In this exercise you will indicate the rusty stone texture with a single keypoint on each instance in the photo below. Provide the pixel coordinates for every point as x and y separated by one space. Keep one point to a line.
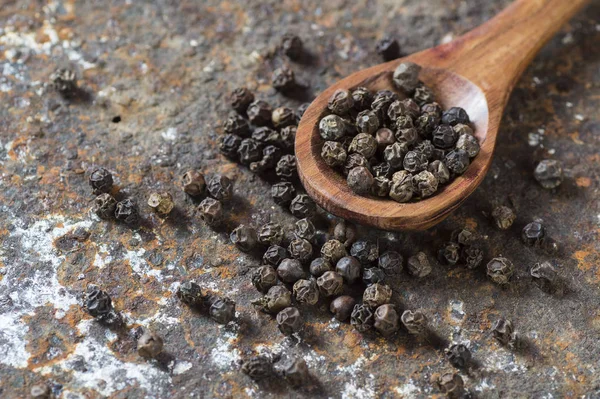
153 77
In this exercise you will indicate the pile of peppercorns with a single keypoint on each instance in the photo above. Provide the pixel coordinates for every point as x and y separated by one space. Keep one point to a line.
399 148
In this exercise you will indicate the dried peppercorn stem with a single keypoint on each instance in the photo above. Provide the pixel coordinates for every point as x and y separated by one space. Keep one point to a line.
475 72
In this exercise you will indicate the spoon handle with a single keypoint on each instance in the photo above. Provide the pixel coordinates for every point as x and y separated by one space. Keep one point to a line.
494 55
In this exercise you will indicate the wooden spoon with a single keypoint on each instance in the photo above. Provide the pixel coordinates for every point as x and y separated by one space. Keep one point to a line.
477 72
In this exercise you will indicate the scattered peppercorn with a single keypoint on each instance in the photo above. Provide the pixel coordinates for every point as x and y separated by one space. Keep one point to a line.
149 345
294 371
406 77
64 81
533 234
451 384
259 113
264 277
222 310
283 79
503 332
244 237
211 211
104 206
500 270
97 302
304 228
236 124
291 45
287 135
345 233
161 203
503 216
365 251
220 187
274 255
545 277
303 206
373 275
300 249
127 211
362 318
193 182
449 253
290 270
283 193
549 173
283 117
318 266
472 256
270 233
414 321
376 295
306 291
418 265
458 355
276 299
101 181
249 151
289 321
191 294
240 99
386 319
330 283
258 368
349 268
342 307
388 48
265 135
229 145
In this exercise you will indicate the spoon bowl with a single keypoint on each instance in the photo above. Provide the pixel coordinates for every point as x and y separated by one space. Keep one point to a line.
476 72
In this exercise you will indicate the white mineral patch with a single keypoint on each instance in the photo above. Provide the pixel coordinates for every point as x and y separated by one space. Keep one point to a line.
181 367
408 390
457 312
170 134
224 355
357 388
140 266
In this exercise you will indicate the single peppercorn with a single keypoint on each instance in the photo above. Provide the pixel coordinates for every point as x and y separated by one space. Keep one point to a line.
211 211
229 145
388 48
381 186
367 122
283 193
303 206
333 251
249 151
274 255
301 110
449 254
432 108
545 277
305 229
383 169
408 136
406 77
283 79
462 129
286 167
415 161
342 307
127 211
97 302
306 291
289 321
472 256
386 320
418 265
365 251
265 135
244 237
451 384
457 161
333 127
276 299
454 116
500 270
330 283
64 81
290 270
469 144
402 188
282 117
384 137
287 135
294 371
355 160
236 124
463 237
222 310
193 183
533 234
458 355
425 184
423 95
270 233
264 277
362 98
381 102
271 155
40 391
291 45
377 294
391 263
360 180
149 345
444 137
414 321
258 368
503 332
161 203
191 294
394 154
259 113
220 187
334 154
426 148
426 124
104 206
240 99
549 173
503 216
300 249
364 144
341 102
345 233
349 268
362 318
440 171
101 181
373 275
318 266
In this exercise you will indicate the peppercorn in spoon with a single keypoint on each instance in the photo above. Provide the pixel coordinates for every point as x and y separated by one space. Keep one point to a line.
476 72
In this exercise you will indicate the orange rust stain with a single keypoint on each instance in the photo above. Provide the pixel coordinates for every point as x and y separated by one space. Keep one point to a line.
471 223
583 181
575 137
581 256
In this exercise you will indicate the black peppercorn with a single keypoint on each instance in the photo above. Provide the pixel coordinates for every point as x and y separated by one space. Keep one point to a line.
277 298
193 183
381 186
406 77
360 180
282 117
426 124
391 263
415 161
149 345
244 237
355 160
289 321
388 48
287 135
444 137
345 233
222 310
457 161
97 302
500 270
211 211
415 322
301 110
503 332
432 108
362 98
240 99
304 228
423 95
294 371
503 216
161 203
258 368
104 206
64 81
367 122
290 270
440 171
101 181
264 277
349 268
265 135
373 275
449 253
306 291
333 153
274 255
418 265
426 148
127 211
365 251
333 251
461 129
364 144
191 294
283 193
383 169
303 206
342 307
458 355
341 102
333 127
451 384
549 173
472 256
271 155
402 121
454 116
300 249
408 136
330 283
533 234
220 187
545 277
229 145
270 233
286 167
425 184
259 113
249 151
283 79
386 319
381 102
236 124
384 137
361 318
291 45
394 154
469 144
376 295
463 237
319 266
402 188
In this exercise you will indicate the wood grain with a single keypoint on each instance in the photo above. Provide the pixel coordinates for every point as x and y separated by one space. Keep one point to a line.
477 72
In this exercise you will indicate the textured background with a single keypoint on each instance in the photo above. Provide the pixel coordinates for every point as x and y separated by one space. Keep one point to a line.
163 66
